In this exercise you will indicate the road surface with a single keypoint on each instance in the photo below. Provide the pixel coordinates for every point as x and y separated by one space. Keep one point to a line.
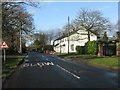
47 71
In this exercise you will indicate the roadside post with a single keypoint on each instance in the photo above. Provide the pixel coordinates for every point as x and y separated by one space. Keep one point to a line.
4 46
4 55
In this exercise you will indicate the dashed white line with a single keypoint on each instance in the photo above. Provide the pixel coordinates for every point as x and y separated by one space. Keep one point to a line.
68 72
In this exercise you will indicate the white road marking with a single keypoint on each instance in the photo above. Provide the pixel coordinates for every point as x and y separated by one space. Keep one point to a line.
47 63
34 65
51 63
42 64
31 64
39 65
26 65
68 72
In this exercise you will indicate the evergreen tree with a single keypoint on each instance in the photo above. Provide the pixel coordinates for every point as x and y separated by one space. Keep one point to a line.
105 37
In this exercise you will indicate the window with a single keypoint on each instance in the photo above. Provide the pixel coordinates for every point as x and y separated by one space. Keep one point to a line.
72 47
91 34
62 40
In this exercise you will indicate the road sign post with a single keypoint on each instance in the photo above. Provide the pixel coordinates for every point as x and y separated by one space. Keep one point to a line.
4 55
4 46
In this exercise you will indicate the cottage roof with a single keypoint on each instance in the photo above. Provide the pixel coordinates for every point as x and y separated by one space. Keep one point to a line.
73 32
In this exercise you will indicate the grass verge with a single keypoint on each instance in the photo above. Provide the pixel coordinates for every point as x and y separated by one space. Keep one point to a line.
76 56
10 65
106 62
101 62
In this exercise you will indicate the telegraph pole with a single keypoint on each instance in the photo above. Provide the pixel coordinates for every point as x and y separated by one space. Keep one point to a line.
60 46
20 48
60 42
68 33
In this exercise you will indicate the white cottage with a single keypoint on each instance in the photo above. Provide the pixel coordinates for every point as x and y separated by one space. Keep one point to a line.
78 38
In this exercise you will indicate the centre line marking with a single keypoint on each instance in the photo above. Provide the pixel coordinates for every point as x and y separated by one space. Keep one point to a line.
68 72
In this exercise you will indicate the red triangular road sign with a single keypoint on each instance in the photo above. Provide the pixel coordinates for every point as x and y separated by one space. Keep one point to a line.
4 45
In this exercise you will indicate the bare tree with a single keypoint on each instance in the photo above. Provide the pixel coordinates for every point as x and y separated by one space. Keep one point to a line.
91 21
32 4
65 28
57 33
50 35
117 26
15 19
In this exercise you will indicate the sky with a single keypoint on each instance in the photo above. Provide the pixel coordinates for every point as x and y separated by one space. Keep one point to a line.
53 15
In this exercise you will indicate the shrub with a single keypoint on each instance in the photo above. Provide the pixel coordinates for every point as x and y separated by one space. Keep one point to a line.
91 47
80 49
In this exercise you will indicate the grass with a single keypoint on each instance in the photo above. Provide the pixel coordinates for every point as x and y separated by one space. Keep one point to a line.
103 62
9 66
75 55
106 62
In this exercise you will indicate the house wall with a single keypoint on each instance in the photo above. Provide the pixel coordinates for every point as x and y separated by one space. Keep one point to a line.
75 40
64 45
56 48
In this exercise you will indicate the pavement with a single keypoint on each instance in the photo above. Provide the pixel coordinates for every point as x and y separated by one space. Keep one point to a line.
48 71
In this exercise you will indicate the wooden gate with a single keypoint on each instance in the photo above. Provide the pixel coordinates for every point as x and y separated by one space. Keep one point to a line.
109 49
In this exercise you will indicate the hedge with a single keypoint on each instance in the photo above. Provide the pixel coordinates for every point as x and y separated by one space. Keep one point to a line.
80 49
91 47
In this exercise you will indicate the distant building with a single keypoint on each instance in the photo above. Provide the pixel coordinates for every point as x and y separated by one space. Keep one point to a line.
78 38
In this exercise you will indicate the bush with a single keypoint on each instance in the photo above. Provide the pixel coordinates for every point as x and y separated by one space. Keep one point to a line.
80 49
91 47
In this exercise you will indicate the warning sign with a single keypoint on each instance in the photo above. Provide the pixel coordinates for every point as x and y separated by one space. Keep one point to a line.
4 45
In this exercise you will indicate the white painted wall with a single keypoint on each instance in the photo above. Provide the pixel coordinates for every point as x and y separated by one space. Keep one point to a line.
83 38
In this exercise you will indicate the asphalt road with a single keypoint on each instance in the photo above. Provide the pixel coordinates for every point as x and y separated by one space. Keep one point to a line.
47 71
